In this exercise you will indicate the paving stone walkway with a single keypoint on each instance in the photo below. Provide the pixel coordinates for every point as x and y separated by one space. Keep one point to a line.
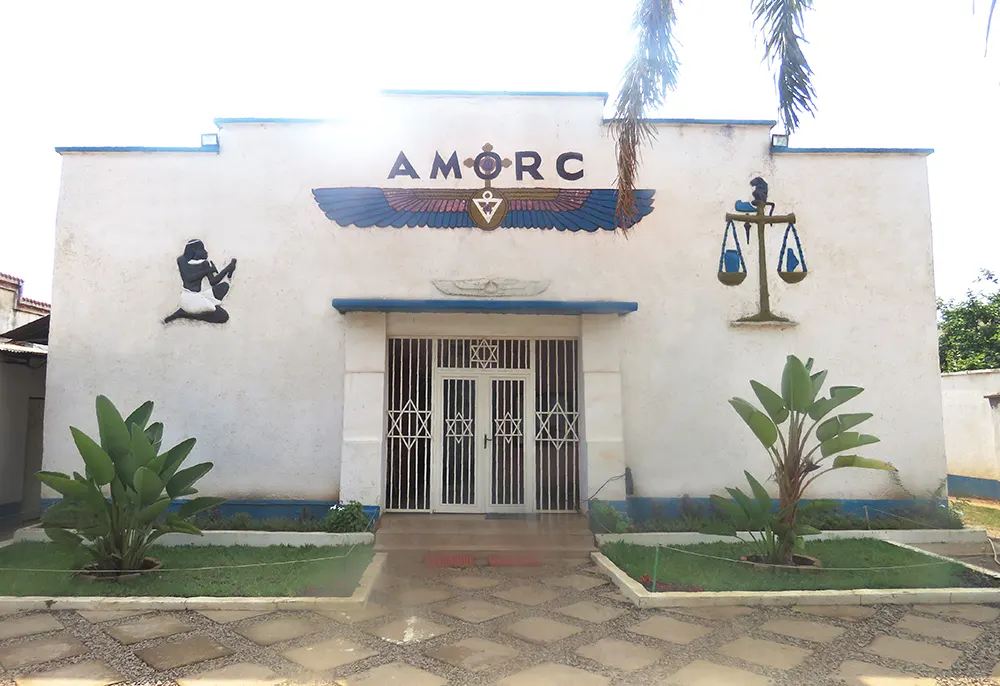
512 627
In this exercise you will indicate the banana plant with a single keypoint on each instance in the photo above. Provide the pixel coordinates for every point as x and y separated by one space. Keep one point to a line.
800 438
744 514
119 504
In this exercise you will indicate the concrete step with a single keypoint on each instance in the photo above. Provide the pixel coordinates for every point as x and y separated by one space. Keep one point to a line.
478 539
443 547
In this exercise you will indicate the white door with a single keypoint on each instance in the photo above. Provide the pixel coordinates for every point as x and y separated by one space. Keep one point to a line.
483 421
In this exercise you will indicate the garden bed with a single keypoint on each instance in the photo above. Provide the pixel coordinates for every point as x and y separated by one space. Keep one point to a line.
717 575
334 578
236 538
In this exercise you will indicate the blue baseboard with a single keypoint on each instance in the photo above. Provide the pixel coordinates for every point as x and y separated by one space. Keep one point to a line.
642 508
265 509
10 515
973 487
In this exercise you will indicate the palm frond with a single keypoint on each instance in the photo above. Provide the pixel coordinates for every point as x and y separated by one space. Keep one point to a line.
780 22
649 74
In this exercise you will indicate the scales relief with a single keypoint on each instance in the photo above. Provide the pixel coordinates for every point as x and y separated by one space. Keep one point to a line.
792 268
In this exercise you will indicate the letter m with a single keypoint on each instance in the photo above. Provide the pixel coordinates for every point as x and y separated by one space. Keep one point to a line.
444 168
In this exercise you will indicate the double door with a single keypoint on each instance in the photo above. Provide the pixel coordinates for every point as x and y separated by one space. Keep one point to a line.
484 426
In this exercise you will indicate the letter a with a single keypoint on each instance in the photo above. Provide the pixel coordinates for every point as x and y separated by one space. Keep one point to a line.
403 166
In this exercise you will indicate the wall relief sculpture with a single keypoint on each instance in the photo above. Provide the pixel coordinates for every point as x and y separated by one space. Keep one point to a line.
203 286
490 287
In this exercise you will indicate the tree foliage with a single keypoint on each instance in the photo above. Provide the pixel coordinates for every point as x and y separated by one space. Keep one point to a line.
969 329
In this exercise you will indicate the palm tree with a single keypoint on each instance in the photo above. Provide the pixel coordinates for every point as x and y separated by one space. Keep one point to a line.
652 71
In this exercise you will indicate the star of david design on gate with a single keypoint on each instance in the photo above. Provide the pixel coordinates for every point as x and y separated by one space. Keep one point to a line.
507 427
484 353
420 424
458 427
557 425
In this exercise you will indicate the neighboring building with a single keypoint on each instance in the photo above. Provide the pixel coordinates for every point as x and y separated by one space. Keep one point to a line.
972 432
469 363
22 398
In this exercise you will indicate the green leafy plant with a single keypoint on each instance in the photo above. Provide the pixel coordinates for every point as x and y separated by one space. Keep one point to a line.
119 505
802 411
746 514
349 518
605 519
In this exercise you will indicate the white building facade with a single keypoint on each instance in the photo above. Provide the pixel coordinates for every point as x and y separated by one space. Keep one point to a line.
400 329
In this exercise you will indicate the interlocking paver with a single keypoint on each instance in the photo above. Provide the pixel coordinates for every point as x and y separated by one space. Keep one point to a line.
935 628
724 612
857 673
328 654
394 673
229 616
848 613
271 631
182 653
577 582
917 652
90 673
531 595
40 650
970 613
472 583
28 626
703 673
474 654
668 629
158 626
98 616
592 612
611 652
412 597
800 628
765 653
551 674
353 615
541 630
474 610
410 630
240 674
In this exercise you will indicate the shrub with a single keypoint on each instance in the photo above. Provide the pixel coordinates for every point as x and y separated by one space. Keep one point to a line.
605 518
349 518
119 529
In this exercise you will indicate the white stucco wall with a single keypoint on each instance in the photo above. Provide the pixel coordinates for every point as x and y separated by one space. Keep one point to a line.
263 393
970 423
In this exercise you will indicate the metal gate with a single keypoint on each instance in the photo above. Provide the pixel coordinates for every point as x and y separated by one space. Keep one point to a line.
482 425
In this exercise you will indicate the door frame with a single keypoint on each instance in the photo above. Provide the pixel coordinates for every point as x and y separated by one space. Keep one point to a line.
483 423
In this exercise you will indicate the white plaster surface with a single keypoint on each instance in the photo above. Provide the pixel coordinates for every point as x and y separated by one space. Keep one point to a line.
264 394
971 424
894 535
253 539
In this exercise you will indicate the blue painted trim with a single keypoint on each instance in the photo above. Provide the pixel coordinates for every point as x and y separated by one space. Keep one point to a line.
641 508
462 93
476 305
855 151
770 123
259 509
220 121
973 487
134 148
10 514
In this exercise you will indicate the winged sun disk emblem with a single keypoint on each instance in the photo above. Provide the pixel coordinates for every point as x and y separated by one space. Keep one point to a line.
563 209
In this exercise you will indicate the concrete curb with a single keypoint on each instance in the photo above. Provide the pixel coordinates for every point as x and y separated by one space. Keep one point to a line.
358 598
640 597
253 539
891 535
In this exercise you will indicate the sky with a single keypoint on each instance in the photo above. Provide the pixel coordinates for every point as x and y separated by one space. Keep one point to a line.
888 73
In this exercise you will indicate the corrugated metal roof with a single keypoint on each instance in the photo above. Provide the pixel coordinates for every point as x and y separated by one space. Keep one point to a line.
23 348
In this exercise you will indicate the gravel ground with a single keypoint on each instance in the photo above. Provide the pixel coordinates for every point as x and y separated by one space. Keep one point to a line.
977 662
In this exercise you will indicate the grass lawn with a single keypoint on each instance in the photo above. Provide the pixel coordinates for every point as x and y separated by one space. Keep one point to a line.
327 578
977 514
716 575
